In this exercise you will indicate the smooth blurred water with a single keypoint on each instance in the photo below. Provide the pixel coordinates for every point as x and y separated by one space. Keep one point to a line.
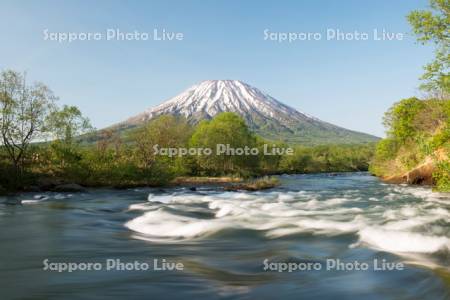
222 239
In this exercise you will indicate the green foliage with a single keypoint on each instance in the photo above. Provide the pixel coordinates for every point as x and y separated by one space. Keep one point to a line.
224 129
442 176
386 149
308 134
117 166
23 111
399 119
67 123
328 158
442 138
269 164
421 129
64 155
115 162
417 129
433 26
417 120
164 132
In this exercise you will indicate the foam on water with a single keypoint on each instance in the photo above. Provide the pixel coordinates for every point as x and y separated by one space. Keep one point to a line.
174 226
30 201
400 220
403 241
36 199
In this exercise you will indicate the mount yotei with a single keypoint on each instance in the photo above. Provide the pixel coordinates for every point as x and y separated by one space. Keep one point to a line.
265 115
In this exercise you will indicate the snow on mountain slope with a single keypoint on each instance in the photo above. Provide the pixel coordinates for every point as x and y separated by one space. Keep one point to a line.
264 114
215 96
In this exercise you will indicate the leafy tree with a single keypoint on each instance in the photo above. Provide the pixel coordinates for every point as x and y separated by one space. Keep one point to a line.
399 119
64 125
166 131
417 129
300 162
225 129
268 164
328 158
67 123
434 26
23 111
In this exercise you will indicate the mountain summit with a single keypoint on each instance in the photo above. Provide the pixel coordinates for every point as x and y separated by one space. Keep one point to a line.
264 114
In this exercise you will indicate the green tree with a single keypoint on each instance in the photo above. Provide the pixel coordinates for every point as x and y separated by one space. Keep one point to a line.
67 123
434 26
225 129
268 164
399 119
64 126
23 112
166 131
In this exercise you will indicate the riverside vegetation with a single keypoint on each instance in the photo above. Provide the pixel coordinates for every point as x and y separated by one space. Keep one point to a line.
417 148
44 145
418 144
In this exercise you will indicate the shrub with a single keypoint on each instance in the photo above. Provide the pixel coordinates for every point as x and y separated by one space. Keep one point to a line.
442 176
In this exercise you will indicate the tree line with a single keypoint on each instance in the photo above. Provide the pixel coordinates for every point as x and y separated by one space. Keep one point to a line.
41 141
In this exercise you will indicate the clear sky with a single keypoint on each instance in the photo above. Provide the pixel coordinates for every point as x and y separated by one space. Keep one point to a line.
348 83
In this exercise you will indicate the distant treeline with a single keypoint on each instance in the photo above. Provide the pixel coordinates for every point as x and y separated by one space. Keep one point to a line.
40 143
112 162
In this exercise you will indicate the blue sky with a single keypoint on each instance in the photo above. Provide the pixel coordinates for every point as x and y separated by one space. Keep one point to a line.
348 83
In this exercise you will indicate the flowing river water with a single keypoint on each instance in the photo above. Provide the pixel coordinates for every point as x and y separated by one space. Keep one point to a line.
230 245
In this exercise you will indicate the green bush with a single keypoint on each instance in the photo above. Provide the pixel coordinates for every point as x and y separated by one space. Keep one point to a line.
399 119
416 129
442 176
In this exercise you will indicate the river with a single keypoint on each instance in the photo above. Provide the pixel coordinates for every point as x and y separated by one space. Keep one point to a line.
229 245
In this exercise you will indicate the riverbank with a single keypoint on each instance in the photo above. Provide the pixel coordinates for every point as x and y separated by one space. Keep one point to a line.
227 182
420 175
417 147
423 173
206 180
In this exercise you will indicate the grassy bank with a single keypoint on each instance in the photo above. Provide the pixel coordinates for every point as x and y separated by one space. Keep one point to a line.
417 149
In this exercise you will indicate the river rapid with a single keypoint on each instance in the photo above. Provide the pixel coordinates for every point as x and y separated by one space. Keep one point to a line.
306 239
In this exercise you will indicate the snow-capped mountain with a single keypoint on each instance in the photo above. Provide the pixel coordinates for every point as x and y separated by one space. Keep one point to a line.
265 115
211 97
